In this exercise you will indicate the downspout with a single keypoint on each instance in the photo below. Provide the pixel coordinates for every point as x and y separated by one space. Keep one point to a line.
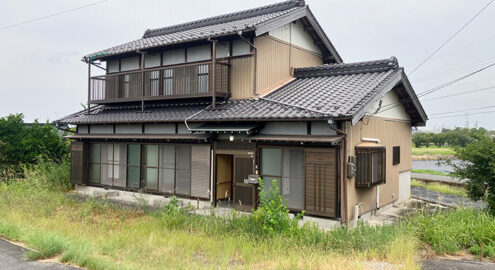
142 79
255 80
213 73
89 83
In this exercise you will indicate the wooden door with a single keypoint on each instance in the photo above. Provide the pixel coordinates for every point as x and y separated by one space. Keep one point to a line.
321 182
244 194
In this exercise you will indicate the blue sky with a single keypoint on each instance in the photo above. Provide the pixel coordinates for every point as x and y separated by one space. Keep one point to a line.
42 76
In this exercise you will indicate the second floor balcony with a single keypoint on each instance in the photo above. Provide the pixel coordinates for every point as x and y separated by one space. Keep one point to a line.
171 82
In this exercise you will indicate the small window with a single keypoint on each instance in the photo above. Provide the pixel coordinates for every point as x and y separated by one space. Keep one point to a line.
203 76
396 155
155 83
370 166
168 82
127 81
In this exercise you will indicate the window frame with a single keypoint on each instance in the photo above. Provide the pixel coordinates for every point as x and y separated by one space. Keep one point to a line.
396 155
280 178
369 151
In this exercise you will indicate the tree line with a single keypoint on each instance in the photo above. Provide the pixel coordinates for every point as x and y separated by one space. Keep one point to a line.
448 137
22 145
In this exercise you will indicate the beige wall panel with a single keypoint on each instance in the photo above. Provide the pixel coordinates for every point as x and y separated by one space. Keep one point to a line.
303 58
273 62
391 133
275 59
241 77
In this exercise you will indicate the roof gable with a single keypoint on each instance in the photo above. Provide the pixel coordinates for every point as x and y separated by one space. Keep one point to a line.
225 18
348 91
258 20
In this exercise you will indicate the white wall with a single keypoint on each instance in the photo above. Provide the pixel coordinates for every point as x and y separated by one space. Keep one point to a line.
173 57
152 60
129 63
393 111
285 128
404 186
295 34
199 53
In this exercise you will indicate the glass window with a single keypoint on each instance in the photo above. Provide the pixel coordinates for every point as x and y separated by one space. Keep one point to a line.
168 82
119 164
183 170
151 166
133 165
167 168
287 167
94 163
370 166
107 164
292 188
271 161
155 83
203 78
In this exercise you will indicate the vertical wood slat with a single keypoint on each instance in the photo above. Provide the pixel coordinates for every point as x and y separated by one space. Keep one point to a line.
200 171
78 163
321 182
195 79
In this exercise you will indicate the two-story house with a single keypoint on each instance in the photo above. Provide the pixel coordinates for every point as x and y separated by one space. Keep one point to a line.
200 110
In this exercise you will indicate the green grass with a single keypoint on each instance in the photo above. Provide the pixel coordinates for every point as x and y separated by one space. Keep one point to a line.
433 150
439 187
433 172
454 230
97 235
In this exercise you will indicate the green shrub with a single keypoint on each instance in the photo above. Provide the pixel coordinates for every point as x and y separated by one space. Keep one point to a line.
272 214
488 250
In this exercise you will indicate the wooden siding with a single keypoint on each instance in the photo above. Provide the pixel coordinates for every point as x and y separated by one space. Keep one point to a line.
391 133
321 182
241 77
78 167
200 171
276 58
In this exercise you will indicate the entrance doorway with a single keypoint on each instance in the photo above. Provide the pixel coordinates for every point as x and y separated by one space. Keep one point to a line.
232 169
224 176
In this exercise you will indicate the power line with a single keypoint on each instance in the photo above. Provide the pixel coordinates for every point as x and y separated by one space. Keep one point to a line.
462 93
432 90
51 15
461 115
466 110
451 37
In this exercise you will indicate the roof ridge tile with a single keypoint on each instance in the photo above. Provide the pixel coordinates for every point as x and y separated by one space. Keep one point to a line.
224 18
347 68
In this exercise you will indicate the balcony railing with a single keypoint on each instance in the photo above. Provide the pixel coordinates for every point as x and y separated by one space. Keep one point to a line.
189 80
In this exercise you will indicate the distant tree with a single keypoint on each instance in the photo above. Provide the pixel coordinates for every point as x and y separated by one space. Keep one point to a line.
479 168
23 145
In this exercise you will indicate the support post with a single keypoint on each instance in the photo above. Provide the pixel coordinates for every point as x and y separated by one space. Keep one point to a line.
142 81
213 74
89 84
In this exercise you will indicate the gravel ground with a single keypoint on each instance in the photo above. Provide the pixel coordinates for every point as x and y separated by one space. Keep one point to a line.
438 178
449 200
12 257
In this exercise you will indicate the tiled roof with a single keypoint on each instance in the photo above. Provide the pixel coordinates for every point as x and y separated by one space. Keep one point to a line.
233 110
222 25
337 90
132 114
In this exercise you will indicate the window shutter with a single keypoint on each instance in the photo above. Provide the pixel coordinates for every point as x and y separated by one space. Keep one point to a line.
200 171
78 168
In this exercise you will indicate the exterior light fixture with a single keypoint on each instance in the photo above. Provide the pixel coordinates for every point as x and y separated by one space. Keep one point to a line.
231 138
